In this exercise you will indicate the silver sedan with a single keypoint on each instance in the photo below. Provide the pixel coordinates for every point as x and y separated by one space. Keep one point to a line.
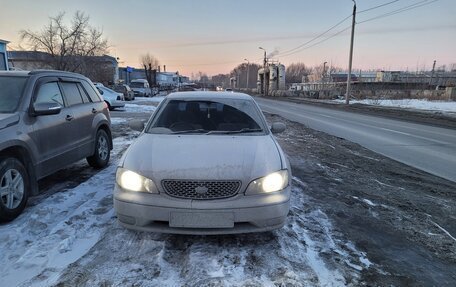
205 163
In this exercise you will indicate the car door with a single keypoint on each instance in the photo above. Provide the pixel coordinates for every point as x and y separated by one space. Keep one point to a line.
83 116
52 134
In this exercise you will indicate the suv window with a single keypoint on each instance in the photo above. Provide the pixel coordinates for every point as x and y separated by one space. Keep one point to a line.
10 93
83 93
49 93
91 92
71 92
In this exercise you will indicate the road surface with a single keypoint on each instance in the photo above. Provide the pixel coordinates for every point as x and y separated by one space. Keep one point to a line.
428 148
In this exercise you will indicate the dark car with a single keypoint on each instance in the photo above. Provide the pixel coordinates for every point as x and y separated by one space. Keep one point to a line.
48 120
128 93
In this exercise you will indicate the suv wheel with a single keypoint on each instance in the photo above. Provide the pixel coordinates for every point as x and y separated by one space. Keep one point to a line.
14 187
100 157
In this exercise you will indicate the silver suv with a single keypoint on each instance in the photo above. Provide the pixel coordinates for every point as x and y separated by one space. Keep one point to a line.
48 119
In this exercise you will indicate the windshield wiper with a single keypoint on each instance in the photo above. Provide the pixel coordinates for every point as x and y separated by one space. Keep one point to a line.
190 131
241 131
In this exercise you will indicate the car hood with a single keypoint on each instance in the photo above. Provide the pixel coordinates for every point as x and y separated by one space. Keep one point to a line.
7 120
203 157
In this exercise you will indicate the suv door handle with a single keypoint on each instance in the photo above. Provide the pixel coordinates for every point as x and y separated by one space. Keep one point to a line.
94 111
69 117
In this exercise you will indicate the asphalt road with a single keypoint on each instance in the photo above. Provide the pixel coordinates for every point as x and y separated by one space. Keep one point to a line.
428 148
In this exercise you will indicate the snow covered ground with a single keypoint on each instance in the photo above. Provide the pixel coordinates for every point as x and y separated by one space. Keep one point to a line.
420 104
72 238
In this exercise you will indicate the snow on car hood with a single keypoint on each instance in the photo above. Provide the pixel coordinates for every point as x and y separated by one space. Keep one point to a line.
203 157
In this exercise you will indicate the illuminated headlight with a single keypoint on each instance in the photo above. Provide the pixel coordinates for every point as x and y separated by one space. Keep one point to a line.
132 181
272 182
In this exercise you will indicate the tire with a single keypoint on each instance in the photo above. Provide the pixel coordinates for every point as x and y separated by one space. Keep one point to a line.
102 152
109 106
14 188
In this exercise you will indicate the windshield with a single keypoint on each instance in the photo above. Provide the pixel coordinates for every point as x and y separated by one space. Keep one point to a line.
10 93
136 85
224 116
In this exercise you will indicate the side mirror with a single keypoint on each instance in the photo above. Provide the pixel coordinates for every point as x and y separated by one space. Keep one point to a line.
137 125
43 109
278 127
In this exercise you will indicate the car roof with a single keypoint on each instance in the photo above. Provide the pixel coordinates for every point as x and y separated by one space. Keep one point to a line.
207 95
41 72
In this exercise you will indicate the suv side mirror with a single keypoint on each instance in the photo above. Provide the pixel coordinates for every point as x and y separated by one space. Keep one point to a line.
278 127
43 109
137 125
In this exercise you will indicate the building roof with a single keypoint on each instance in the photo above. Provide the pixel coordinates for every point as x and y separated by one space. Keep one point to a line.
4 41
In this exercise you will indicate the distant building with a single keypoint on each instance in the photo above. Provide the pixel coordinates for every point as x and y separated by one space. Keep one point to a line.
342 77
102 69
3 55
271 78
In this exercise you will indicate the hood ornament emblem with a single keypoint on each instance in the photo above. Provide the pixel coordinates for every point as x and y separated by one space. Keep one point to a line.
201 190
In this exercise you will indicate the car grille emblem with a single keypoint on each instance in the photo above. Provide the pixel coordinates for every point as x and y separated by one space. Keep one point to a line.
201 190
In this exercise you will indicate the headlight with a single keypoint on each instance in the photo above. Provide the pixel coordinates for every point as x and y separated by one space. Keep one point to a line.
272 182
132 181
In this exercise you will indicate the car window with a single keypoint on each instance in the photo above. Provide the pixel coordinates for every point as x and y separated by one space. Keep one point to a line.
72 94
10 93
136 85
49 93
119 89
223 115
83 93
91 92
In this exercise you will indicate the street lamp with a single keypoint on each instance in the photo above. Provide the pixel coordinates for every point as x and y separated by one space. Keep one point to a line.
264 61
248 70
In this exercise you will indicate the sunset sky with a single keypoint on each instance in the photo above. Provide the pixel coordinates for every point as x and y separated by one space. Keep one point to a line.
213 36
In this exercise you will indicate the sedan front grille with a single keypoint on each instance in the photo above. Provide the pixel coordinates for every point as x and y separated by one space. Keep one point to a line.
201 189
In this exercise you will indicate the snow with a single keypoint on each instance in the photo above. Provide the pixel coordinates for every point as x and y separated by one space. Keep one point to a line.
136 108
118 121
58 231
419 104
72 237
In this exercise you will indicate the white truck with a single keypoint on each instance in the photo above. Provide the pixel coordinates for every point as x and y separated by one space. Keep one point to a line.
141 88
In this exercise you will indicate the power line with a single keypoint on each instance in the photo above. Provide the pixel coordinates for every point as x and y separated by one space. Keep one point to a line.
394 12
379 6
315 38
291 51
400 10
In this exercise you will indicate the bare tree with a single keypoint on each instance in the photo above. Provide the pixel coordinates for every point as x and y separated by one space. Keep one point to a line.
240 72
150 64
68 45
297 73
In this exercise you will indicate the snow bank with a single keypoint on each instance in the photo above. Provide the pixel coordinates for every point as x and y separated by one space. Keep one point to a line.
443 106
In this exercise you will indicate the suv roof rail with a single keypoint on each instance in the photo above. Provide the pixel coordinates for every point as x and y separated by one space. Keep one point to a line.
37 72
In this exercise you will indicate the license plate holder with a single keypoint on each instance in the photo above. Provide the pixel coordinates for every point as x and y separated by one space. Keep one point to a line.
201 220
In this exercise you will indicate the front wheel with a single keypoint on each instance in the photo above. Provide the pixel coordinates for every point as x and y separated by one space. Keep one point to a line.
102 152
14 188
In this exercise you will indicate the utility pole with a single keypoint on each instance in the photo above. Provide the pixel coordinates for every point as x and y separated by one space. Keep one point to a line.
323 77
432 74
347 94
265 83
248 70
323 74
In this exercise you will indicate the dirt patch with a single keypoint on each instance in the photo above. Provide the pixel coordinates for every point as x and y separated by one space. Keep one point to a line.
403 218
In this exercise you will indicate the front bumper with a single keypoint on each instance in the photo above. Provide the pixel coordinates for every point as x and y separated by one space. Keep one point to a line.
240 214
